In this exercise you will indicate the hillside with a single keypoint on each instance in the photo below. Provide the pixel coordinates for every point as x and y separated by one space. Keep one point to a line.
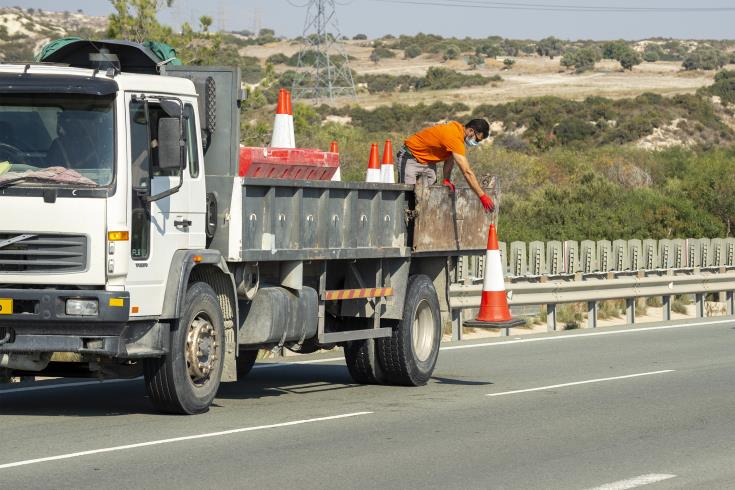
24 32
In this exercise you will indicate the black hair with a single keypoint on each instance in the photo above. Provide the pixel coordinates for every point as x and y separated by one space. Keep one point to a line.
479 126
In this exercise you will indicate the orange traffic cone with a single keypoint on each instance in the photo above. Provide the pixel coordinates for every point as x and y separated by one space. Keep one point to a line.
494 310
386 168
373 172
333 148
283 130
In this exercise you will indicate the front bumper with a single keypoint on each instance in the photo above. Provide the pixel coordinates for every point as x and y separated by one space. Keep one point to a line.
39 323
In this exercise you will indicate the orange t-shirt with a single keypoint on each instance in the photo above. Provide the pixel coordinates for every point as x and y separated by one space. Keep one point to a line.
437 143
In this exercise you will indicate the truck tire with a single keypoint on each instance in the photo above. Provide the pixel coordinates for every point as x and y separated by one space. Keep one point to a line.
409 356
185 381
362 362
245 362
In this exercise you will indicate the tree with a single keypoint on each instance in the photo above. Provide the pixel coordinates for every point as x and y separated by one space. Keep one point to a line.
614 50
629 58
360 37
582 59
550 46
508 63
205 21
135 20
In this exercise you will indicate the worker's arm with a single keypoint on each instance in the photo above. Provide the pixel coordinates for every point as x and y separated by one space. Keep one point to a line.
448 166
469 175
471 179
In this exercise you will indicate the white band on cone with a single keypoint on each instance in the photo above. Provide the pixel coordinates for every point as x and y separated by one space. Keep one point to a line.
493 280
388 177
373 175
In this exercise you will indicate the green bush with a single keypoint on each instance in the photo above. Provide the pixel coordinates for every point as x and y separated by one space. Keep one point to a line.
705 59
278 59
451 52
412 51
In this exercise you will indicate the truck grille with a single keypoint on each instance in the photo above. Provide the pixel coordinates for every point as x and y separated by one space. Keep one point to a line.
42 253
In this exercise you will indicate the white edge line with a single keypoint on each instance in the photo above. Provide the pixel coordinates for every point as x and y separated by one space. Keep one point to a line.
635 482
65 385
598 380
177 439
578 335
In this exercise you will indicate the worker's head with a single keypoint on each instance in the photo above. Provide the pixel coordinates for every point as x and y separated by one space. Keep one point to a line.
476 131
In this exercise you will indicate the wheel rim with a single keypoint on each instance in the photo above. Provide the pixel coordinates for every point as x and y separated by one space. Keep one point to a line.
423 332
202 349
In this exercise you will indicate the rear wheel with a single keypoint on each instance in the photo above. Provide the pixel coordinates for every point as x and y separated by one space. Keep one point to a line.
362 362
245 362
409 356
186 380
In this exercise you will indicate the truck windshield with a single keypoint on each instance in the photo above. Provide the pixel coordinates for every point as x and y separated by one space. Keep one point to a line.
56 140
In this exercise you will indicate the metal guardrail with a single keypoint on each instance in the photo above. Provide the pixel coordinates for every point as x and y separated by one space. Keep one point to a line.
593 286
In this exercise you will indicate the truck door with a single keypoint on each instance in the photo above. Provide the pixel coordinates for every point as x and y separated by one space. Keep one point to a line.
161 227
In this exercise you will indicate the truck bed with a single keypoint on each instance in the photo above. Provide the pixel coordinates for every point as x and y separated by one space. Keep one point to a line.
317 220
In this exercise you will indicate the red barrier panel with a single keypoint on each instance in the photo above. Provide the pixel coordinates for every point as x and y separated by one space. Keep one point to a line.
287 163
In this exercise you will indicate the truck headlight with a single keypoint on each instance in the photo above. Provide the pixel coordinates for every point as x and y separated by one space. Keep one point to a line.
82 307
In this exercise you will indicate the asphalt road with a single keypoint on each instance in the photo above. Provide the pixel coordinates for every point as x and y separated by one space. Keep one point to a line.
614 409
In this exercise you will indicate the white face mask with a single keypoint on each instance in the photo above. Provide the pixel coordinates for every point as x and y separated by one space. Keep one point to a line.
471 141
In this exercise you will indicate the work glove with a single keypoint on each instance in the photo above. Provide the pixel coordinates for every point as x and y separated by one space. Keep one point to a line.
449 184
487 203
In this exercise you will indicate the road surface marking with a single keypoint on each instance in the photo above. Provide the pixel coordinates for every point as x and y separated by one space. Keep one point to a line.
177 439
65 385
448 347
599 380
636 482
576 336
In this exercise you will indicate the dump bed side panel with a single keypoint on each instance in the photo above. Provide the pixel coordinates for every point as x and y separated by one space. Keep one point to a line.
311 220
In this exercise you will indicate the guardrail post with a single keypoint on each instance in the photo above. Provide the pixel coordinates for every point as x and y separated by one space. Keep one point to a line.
729 302
550 318
700 305
592 314
667 307
457 318
630 311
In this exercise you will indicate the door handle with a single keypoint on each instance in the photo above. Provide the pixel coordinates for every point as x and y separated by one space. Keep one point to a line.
182 223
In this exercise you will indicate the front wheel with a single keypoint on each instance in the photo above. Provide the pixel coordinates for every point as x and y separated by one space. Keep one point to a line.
409 356
185 381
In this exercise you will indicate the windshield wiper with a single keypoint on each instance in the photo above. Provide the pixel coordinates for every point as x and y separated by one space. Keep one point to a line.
41 180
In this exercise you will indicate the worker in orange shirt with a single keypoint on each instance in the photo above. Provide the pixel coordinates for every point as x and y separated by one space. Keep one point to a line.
446 143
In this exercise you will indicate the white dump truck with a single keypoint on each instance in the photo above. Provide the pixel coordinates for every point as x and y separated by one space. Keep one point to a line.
132 243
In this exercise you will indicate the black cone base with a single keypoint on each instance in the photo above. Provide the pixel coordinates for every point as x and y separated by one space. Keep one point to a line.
514 322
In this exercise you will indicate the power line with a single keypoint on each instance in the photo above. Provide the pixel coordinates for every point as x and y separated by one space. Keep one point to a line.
556 7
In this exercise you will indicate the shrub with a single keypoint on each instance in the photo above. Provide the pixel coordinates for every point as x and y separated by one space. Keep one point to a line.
704 59
508 63
452 52
475 60
412 51
360 37
277 59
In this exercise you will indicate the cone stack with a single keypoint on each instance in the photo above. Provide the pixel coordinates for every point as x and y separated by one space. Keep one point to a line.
373 171
334 148
386 168
283 129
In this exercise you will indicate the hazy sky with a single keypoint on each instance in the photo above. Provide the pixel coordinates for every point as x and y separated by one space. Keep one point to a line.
377 18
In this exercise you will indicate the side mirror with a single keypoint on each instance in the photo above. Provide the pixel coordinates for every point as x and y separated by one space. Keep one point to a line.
171 149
